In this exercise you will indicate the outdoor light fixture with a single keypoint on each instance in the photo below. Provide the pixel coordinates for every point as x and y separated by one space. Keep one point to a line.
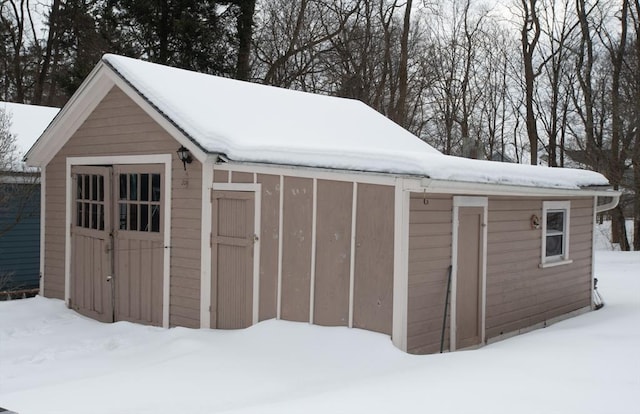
184 156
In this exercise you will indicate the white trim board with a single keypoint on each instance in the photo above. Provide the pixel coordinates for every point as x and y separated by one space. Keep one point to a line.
465 201
564 258
280 244
43 216
401 266
123 160
312 279
95 87
205 256
352 257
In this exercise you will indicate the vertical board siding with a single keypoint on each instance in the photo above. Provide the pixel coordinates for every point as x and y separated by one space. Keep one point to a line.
118 126
373 279
430 224
269 233
296 251
519 292
333 247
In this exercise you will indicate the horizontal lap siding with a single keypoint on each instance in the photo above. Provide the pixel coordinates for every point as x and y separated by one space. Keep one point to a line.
119 127
430 224
519 293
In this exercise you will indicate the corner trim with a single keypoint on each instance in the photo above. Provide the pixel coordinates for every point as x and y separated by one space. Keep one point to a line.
43 232
401 266
205 246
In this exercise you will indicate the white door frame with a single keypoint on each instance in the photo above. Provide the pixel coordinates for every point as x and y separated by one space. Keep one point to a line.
464 201
205 297
123 160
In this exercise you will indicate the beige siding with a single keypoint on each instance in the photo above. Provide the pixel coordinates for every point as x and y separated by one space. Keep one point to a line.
373 279
296 250
220 176
269 233
333 253
241 177
119 127
430 224
519 292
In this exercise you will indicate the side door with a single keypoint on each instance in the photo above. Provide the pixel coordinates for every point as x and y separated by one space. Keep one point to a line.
232 240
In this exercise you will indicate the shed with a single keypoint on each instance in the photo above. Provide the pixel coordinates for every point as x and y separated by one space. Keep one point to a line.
20 199
300 207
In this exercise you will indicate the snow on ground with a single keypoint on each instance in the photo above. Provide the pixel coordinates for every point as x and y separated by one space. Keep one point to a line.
53 360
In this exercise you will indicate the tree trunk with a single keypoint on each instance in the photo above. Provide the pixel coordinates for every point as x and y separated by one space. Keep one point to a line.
52 38
245 33
400 115
530 23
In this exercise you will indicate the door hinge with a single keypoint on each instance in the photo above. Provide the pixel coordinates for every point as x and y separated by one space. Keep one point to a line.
210 239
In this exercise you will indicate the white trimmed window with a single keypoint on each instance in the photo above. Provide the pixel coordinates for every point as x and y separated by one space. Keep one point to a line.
555 232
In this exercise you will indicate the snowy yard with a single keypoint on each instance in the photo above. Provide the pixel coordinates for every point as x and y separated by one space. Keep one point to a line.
54 361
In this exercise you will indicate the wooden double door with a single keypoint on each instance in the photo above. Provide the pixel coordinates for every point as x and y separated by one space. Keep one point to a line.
117 243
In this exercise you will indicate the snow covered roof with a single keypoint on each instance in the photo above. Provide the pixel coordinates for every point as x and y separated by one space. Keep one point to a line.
27 123
249 122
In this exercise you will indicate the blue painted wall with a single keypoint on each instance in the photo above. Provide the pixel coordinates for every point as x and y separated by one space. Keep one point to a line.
20 246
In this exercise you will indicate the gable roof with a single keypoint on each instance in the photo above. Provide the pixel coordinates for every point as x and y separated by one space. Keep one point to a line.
27 124
248 122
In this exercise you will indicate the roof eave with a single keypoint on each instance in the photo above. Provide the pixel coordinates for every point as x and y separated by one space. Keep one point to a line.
474 188
422 183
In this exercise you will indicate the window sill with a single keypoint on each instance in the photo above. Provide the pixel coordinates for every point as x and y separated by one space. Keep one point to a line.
554 264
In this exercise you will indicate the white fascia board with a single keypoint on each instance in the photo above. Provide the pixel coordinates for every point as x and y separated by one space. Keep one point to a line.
469 188
94 88
412 183
162 120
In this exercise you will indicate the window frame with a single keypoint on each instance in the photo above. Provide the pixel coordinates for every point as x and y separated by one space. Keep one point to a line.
561 259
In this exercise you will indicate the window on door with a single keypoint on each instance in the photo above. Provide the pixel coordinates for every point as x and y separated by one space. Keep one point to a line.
90 201
139 202
555 232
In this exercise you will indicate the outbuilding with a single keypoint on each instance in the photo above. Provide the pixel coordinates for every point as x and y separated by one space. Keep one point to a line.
20 198
174 198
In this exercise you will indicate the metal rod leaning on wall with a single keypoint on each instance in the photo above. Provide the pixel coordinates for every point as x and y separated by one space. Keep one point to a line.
446 306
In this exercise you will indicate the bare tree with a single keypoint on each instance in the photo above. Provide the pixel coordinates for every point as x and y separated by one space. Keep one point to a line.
529 36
